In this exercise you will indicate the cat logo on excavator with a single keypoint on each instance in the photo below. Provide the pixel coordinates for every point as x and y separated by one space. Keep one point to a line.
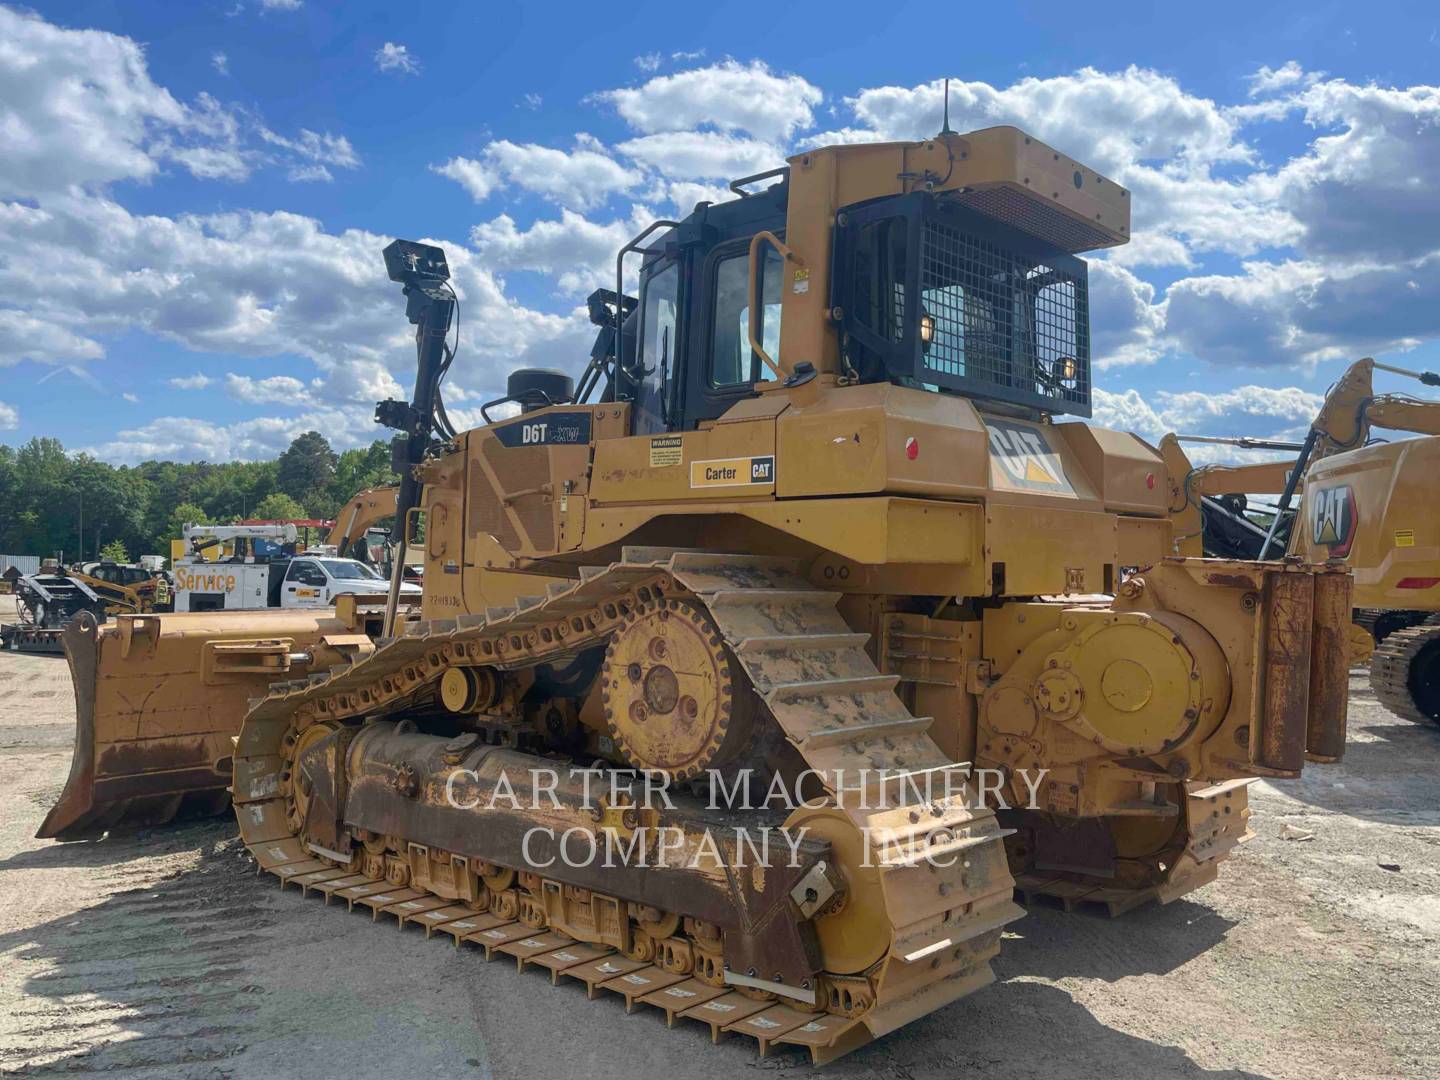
1334 523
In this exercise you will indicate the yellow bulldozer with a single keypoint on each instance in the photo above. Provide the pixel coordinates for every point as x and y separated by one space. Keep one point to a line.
1365 505
756 669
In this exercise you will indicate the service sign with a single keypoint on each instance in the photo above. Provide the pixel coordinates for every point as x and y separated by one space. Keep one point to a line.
550 429
205 581
1022 459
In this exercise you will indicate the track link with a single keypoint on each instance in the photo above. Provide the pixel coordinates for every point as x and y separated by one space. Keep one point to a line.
938 926
1409 691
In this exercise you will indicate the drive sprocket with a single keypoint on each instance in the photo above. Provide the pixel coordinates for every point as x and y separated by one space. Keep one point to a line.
675 702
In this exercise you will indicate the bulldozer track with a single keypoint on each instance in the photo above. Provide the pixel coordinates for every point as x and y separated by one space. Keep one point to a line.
1392 671
942 922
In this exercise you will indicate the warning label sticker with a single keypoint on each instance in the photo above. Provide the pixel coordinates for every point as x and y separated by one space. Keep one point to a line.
666 450
1025 459
1404 537
733 472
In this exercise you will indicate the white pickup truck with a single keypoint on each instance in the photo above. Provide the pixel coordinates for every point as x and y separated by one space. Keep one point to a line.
315 581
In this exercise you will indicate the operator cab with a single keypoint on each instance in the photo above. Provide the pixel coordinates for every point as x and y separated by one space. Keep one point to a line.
1002 317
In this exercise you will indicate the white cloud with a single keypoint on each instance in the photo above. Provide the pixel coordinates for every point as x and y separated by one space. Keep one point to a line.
1366 188
362 381
324 147
181 438
1196 411
649 61
532 101
220 62
134 399
1126 411
9 417
24 337
274 390
78 108
729 96
1126 323
702 155
393 57
302 174
579 178
281 5
1268 80
476 177
1341 238
579 252
1270 412
245 284
1137 127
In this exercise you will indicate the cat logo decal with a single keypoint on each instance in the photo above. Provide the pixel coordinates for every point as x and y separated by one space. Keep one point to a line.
1024 458
1333 520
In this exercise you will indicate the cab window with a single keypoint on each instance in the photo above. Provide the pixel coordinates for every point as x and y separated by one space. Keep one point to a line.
305 572
732 362
656 364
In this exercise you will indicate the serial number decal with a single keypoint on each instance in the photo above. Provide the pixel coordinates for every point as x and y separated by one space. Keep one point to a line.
1024 459
733 472
666 450
552 429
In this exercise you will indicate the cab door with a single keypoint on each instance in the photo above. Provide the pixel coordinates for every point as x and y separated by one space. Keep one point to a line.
306 585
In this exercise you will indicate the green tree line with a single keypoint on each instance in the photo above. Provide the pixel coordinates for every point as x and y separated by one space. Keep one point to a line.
55 502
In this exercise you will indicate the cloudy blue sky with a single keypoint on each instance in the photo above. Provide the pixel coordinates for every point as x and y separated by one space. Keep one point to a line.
193 196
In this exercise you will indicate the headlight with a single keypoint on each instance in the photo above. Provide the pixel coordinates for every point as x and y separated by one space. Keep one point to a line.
927 328
1066 369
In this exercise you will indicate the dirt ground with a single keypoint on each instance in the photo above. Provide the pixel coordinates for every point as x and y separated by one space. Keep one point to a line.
163 954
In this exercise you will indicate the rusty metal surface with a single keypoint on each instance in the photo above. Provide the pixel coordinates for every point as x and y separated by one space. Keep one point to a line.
1329 700
154 719
729 895
1284 718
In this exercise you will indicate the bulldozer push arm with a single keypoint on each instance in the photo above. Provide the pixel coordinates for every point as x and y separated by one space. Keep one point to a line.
860 583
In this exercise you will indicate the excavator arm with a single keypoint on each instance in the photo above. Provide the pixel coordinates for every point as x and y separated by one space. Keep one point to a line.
1352 409
356 516
1195 505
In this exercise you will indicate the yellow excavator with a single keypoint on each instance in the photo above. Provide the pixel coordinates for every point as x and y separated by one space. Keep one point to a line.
348 536
821 551
1366 505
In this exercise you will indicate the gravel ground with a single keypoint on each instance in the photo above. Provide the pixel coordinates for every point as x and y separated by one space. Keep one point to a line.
162 954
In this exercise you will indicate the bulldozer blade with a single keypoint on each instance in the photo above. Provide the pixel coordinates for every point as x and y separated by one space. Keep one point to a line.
158 700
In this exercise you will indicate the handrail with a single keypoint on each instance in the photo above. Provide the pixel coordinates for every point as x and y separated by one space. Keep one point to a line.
738 184
763 236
